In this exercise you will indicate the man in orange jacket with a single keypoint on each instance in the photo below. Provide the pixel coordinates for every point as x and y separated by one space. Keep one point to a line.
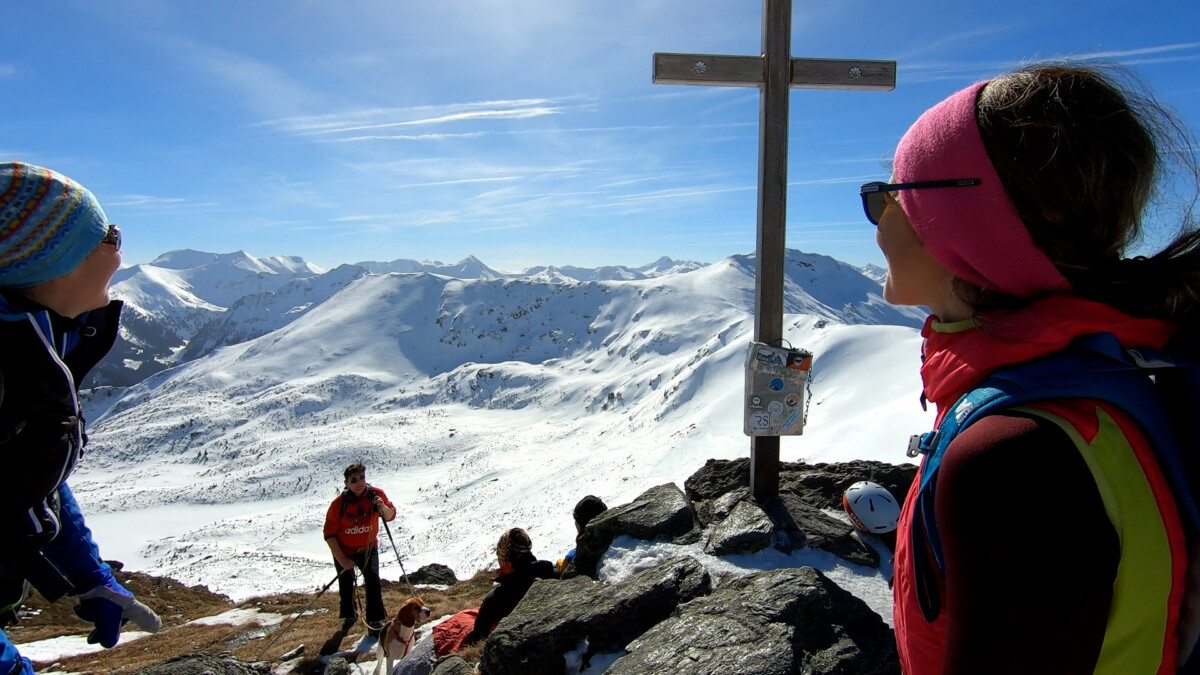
350 530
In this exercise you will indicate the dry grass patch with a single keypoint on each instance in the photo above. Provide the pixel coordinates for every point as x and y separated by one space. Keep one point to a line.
318 629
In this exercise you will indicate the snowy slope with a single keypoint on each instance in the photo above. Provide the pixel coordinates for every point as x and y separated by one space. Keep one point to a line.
477 405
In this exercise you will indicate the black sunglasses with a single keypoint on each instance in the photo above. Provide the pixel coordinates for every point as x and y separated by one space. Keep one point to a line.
113 236
355 479
874 203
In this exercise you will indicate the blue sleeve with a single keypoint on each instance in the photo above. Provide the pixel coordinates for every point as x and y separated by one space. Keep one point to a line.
73 552
11 661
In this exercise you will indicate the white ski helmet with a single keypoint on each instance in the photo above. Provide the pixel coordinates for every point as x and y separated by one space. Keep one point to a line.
871 507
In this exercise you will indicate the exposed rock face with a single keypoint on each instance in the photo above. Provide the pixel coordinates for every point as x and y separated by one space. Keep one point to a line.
820 485
778 622
210 664
660 512
747 528
433 574
664 620
452 665
809 526
555 617
794 519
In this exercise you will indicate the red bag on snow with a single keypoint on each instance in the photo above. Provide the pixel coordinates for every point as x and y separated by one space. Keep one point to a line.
449 635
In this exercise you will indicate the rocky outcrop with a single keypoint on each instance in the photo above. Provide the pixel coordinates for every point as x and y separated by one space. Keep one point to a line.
433 574
746 528
556 617
668 619
452 665
778 622
820 485
662 512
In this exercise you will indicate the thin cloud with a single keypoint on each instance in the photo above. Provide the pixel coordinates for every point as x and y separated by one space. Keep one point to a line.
461 181
383 118
1139 52
520 113
684 193
934 46
144 200
263 88
411 137
1170 59
912 73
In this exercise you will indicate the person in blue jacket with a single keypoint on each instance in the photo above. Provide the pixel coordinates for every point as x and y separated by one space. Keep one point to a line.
58 253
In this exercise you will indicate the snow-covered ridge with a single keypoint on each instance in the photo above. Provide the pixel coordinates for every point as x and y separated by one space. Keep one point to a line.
477 404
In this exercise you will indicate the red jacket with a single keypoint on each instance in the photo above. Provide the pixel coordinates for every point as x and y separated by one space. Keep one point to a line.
1146 591
355 525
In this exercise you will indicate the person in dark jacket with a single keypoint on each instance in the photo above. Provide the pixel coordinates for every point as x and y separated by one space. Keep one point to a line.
58 253
585 510
518 570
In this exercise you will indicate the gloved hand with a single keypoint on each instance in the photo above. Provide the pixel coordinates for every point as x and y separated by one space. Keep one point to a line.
109 606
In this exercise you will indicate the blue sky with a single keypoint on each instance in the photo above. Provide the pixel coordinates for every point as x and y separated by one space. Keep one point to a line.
522 132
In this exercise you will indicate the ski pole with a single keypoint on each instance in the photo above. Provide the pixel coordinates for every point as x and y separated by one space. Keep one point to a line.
387 529
294 619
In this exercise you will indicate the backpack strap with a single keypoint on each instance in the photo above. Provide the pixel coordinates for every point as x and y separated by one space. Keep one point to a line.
347 495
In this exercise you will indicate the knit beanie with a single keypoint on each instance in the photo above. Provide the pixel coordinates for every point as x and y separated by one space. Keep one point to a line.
511 544
974 232
48 225
589 507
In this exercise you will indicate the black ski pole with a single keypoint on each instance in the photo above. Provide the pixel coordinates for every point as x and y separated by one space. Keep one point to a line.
387 529
294 619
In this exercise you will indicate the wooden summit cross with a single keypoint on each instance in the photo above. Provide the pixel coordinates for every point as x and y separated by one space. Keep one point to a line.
774 72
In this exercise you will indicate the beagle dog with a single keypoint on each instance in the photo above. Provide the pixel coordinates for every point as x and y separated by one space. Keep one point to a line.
396 636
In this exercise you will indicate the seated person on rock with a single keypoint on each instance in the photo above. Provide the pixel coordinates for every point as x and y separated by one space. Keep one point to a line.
589 507
518 570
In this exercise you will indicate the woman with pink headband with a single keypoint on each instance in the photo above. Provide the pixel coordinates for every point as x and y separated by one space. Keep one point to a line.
1012 207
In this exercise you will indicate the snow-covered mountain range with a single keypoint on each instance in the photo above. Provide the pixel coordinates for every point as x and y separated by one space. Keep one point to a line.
478 400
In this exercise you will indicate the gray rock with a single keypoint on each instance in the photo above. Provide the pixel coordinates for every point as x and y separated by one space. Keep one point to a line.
201 664
821 485
771 623
717 477
555 617
746 529
660 512
452 665
433 574
718 508
800 524
338 666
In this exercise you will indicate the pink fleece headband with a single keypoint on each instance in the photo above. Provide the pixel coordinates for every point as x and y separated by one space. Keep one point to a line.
974 232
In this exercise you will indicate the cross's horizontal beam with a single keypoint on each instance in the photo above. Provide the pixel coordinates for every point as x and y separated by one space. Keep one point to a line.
748 71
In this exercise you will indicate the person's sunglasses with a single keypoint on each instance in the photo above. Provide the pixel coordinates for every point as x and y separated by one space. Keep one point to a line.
355 479
113 236
875 202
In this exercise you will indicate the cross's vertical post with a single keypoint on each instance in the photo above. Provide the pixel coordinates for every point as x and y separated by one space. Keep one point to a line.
772 216
775 72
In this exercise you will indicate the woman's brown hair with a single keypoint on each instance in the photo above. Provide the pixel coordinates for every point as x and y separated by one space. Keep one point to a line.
1081 152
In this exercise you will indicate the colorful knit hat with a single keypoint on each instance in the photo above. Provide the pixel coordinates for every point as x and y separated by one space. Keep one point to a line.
48 225
974 232
512 543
